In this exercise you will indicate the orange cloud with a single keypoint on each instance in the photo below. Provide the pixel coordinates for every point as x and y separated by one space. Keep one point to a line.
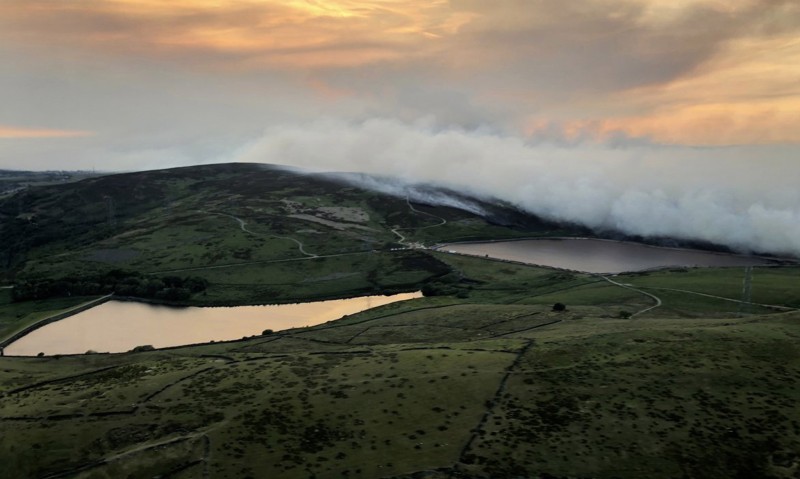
272 33
19 132
747 93
700 72
719 124
716 124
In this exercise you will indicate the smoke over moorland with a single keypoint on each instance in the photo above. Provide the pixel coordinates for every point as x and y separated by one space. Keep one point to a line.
720 195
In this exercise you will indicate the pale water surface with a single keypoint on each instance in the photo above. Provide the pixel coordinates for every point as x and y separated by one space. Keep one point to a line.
600 256
118 326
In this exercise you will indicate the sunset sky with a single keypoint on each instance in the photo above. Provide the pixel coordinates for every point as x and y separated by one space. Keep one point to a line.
675 118
129 84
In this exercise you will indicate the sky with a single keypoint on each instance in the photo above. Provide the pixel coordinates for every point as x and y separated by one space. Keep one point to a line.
626 114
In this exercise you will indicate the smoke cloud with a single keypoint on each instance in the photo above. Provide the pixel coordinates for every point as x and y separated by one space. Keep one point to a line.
413 191
720 195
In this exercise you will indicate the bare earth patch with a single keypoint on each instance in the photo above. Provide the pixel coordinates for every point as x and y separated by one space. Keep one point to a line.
350 214
344 213
333 224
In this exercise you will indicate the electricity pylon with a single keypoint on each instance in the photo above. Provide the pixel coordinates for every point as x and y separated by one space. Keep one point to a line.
747 291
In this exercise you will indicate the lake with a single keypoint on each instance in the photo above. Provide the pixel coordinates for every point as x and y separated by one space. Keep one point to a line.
118 326
600 256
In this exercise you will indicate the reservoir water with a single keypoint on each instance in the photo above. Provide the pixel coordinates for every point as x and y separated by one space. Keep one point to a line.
600 256
118 326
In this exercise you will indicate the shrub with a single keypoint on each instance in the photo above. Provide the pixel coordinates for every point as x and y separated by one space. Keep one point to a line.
145 347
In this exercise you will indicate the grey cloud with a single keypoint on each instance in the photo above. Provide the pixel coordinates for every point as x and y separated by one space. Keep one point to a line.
136 109
568 48
519 58
717 195
516 59
446 113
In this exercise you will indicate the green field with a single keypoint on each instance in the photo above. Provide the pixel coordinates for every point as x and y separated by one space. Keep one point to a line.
494 384
648 399
662 374
772 286
17 316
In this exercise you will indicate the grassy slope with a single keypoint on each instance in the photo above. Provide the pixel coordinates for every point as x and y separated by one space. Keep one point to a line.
485 381
184 218
12 181
777 286
17 316
491 385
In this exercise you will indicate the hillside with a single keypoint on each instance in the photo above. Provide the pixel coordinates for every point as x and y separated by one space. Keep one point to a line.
13 181
492 384
669 373
182 219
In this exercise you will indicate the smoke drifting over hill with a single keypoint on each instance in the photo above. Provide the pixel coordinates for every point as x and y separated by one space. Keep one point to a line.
411 190
718 195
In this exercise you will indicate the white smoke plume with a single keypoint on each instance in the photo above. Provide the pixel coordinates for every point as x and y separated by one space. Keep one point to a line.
719 195
411 190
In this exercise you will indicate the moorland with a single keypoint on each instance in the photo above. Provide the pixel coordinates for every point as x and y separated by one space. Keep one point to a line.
667 373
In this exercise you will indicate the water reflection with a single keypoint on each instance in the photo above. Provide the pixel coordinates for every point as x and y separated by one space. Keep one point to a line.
120 326
599 256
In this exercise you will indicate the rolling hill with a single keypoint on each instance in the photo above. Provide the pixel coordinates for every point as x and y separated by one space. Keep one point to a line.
670 373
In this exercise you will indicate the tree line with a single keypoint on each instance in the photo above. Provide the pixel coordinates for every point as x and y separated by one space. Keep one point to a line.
121 283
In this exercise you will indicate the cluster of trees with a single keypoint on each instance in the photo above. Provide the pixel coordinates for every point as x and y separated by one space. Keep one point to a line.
122 283
447 285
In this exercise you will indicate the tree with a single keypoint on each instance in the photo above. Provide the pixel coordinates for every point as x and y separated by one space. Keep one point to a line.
559 307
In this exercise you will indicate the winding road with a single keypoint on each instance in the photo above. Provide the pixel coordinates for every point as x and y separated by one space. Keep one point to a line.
243 226
774 306
402 237
411 207
686 291
652 296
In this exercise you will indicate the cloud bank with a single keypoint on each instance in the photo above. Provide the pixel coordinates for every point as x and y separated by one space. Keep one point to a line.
723 195
655 117
185 81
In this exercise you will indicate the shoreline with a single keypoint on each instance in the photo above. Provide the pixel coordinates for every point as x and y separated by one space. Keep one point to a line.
316 299
776 260
105 299
51 319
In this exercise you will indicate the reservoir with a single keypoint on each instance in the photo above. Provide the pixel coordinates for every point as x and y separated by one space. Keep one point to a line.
118 326
600 256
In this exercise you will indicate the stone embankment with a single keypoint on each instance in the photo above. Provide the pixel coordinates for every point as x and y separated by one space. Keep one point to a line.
52 319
